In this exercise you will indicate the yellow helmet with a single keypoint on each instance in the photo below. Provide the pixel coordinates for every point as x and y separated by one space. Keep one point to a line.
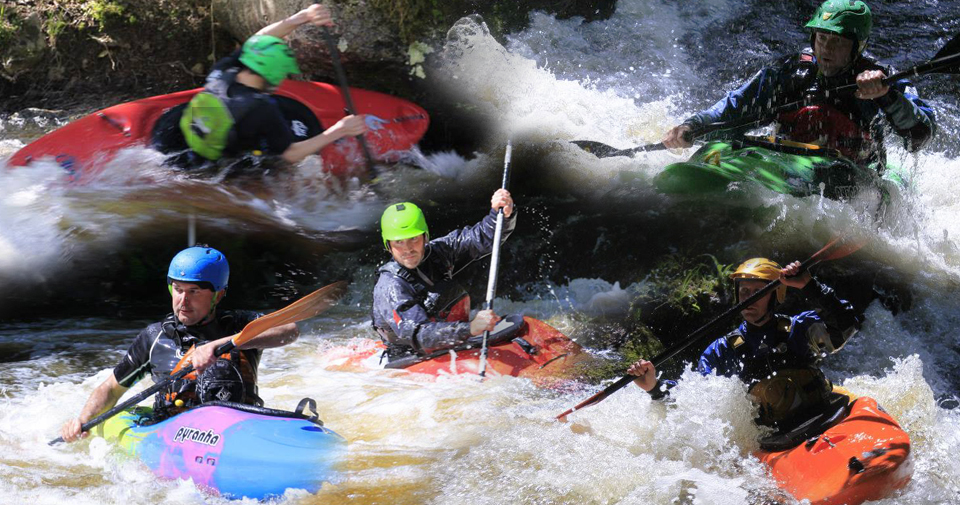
761 269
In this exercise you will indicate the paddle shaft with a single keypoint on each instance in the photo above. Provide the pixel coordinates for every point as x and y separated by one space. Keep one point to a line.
937 65
495 258
304 308
940 63
345 91
87 426
697 334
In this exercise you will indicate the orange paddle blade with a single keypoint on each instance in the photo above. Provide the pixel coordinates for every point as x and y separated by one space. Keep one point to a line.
304 308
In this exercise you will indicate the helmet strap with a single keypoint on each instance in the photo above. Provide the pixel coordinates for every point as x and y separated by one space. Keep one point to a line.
216 299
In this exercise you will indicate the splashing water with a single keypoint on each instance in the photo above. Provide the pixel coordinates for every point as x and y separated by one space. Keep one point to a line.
457 440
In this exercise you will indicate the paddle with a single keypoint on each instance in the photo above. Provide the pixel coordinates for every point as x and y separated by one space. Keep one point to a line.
946 61
347 97
495 259
304 308
836 250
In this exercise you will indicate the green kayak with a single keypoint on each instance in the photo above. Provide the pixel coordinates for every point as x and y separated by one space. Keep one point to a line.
784 167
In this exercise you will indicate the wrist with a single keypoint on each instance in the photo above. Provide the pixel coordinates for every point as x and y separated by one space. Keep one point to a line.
887 99
811 288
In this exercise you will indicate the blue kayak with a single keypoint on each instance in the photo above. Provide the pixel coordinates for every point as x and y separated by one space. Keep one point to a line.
231 449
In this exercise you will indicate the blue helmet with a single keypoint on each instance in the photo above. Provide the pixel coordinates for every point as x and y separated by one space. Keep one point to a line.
200 265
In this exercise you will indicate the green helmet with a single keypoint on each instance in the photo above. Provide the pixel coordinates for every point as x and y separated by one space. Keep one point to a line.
401 221
847 18
269 57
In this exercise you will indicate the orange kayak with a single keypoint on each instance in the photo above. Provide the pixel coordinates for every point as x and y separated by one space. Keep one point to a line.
865 456
536 350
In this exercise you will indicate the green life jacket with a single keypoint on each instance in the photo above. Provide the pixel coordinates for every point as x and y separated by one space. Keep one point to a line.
208 120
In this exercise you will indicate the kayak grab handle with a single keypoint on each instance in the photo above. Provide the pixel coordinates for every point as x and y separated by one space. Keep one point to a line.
125 130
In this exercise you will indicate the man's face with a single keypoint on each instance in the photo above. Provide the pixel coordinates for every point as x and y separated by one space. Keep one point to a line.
191 303
409 251
834 53
757 313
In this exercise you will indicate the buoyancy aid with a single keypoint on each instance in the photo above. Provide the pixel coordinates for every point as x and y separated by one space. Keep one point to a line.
208 123
233 377
444 300
784 385
833 123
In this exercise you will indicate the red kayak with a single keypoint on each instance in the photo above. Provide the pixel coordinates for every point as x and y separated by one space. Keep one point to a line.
522 347
864 456
85 145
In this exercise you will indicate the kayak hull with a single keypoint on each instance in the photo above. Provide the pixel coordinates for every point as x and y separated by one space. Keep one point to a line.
230 452
717 164
865 456
555 356
83 146
545 355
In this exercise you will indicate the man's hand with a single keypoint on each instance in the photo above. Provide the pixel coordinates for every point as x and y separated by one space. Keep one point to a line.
645 374
485 321
350 126
791 277
675 137
202 356
70 432
316 14
870 85
502 199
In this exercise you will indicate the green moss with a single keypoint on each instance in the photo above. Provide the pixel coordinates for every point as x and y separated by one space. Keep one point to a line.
106 12
413 17
641 343
9 25
54 27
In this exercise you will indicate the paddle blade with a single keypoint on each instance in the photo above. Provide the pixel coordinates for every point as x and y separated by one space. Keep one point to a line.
597 398
950 48
598 149
304 308
842 247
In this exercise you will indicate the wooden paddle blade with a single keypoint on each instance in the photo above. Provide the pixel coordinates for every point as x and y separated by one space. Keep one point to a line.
598 149
304 308
845 247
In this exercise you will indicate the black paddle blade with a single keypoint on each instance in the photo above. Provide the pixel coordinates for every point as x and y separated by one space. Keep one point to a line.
950 48
598 149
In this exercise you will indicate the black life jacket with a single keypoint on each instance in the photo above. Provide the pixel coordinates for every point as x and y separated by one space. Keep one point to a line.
233 377
834 122
443 300
786 386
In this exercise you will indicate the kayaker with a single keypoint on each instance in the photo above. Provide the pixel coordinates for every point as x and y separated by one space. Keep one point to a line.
776 355
418 307
839 33
197 281
236 115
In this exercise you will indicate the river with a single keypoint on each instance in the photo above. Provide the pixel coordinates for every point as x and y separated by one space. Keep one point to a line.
82 272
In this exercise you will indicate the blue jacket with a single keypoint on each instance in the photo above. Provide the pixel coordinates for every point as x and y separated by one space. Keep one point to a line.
753 353
777 360
795 77
408 305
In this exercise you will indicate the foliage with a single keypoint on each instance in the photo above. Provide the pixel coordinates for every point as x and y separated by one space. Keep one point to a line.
686 286
54 27
105 12
9 24
413 17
